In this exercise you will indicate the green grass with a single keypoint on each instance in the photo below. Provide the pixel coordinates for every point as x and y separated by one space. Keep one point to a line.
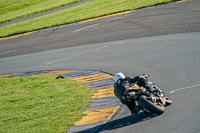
41 104
13 9
85 11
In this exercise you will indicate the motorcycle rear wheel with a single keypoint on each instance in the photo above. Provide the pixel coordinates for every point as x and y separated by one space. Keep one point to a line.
152 107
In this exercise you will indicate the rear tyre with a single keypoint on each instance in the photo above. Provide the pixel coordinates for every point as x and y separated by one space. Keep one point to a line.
152 107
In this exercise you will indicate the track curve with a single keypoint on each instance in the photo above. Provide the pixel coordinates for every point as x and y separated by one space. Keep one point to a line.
158 20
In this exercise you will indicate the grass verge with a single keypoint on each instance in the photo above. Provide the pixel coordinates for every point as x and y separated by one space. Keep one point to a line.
41 104
85 11
14 9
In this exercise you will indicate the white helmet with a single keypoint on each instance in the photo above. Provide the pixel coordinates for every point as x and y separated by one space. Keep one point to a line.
119 76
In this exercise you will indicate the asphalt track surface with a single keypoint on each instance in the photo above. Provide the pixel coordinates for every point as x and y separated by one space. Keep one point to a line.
162 41
159 20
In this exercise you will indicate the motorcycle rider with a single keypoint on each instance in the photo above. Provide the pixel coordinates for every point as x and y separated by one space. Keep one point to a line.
122 85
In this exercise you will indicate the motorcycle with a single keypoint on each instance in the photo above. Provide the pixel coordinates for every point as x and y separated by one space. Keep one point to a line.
154 102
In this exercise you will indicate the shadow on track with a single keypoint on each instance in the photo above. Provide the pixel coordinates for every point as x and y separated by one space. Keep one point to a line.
120 123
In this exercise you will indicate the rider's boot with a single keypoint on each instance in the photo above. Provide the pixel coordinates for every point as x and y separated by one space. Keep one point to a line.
135 111
168 102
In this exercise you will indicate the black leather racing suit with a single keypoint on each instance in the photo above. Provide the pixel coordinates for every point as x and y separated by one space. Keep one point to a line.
122 86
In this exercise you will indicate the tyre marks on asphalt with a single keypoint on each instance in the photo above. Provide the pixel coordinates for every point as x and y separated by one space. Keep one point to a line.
6 52
85 21
103 104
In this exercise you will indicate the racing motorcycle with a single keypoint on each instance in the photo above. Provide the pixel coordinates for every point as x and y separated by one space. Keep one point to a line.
154 102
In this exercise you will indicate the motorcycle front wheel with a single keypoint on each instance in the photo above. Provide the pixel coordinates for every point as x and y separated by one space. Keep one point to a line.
156 108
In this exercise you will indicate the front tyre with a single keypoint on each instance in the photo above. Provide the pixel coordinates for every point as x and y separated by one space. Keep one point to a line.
151 106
